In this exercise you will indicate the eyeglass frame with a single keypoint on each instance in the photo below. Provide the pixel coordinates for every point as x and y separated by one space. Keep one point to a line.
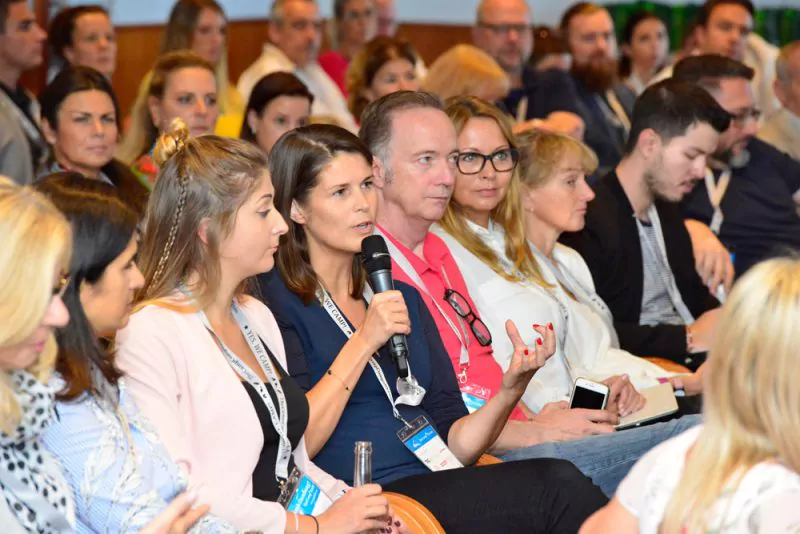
741 118
514 152
470 317
505 29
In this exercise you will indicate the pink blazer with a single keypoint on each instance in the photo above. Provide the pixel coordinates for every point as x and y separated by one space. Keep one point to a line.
184 385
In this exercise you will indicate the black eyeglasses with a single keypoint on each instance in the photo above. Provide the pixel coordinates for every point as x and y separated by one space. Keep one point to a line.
473 162
457 301
505 29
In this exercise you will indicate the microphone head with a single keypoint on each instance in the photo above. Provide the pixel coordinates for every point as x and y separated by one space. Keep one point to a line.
374 254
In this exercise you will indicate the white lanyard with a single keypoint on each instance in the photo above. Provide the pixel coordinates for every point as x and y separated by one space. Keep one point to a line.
279 421
664 272
411 393
571 283
619 111
405 265
522 109
716 192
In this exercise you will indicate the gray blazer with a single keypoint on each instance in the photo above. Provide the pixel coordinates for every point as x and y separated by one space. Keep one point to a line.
15 150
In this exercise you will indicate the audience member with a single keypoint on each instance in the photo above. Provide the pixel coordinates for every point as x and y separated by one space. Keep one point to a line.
36 496
295 33
320 300
644 47
466 70
278 103
549 50
201 26
782 128
739 471
510 261
22 145
537 99
80 120
411 198
387 17
182 86
748 194
354 23
725 27
604 104
99 436
634 239
382 66
83 36
211 225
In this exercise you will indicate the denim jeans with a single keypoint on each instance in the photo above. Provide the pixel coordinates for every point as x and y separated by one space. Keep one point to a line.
607 458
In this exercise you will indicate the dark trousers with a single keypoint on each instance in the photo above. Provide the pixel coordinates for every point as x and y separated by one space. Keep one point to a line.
530 496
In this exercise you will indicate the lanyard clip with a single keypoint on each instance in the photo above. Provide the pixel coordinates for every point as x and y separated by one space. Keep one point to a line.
462 376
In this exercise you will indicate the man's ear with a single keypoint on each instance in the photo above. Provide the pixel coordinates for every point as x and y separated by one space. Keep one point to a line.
296 213
378 172
649 143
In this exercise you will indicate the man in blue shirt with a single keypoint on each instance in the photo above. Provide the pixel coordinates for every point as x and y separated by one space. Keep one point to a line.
537 99
748 195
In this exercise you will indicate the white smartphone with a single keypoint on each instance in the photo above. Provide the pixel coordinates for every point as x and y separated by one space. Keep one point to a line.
589 394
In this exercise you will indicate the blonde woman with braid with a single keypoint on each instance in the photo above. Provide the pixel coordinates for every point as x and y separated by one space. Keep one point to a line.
740 471
206 363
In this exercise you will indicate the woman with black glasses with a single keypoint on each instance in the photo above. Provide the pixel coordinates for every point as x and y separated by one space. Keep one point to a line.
335 333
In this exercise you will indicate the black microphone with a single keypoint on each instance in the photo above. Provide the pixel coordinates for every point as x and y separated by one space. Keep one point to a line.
378 264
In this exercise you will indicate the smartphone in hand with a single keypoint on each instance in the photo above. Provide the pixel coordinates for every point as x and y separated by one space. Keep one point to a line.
589 394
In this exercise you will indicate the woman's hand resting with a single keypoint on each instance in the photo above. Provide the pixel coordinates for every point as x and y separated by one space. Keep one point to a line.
363 509
526 361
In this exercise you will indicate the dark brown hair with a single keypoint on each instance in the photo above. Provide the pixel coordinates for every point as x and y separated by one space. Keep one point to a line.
102 227
61 32
367 62
268 89
297 160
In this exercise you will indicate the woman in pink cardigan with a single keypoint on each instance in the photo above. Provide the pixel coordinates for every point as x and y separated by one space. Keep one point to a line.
206 363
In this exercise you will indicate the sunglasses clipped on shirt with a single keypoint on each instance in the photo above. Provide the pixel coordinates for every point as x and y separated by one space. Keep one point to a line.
461 306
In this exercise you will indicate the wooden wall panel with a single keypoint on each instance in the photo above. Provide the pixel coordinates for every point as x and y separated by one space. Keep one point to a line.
138 48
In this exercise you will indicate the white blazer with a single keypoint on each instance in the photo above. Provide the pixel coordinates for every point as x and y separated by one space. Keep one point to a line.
587 350
204 416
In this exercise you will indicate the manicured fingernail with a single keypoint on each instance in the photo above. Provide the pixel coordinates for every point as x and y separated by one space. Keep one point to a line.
539 341
397 524
526 352
536 326
550 326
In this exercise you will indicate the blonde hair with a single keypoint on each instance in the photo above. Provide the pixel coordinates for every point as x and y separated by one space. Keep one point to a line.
207 178
36 240
465 70
143 132
751 400
508 212
541 154
178 35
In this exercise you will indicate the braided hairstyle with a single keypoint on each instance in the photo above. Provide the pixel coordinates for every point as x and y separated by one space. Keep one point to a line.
202 181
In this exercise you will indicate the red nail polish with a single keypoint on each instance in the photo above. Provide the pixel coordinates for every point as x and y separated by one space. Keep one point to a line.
397 524
526 352
536 326
550 326
538 341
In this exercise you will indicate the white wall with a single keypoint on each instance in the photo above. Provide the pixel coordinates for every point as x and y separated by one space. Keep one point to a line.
456 12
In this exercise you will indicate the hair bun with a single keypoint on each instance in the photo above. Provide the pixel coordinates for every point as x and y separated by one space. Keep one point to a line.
172 142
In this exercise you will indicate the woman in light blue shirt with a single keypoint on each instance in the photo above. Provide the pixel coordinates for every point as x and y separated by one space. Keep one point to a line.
120 475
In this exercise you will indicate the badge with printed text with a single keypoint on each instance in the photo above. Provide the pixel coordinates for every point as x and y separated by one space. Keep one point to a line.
422 439
303 496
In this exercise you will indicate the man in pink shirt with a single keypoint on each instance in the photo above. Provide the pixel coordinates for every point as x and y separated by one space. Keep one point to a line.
414 146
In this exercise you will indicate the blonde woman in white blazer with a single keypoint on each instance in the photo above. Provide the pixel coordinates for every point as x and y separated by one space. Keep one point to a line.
206 363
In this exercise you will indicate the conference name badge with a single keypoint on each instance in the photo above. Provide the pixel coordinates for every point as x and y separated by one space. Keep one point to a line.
303 496
425 443
474 396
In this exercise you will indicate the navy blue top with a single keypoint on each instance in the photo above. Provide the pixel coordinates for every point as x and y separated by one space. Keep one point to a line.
760 216
313 340
547 91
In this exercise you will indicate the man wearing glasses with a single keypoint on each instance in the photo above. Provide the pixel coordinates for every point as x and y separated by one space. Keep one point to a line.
295 34
537 99
748 195
415 155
